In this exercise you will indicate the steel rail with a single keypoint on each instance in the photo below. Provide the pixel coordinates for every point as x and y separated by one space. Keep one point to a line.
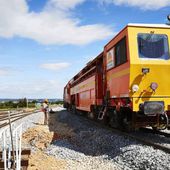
18 118
4 115
145 141
6 123
156 132
13 116
6 111
15 111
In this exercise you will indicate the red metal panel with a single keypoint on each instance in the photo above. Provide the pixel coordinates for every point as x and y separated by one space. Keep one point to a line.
117 78
118 81
119 87
99 89
67 94
85 94
84 86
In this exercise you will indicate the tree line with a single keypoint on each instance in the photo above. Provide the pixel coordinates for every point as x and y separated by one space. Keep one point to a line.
22 103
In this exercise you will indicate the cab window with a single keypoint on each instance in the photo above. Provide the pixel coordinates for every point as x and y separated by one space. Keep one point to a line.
153 46
120 52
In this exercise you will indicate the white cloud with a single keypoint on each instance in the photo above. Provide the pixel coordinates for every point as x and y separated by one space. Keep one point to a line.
33 89
5 71
64 4
55 66
142 4
55 24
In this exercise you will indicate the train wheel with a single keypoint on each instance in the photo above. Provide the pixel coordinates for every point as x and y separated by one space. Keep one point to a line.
91 115
163 122
161 127
74 110
114 119
155 128
79 112
104 121
126 125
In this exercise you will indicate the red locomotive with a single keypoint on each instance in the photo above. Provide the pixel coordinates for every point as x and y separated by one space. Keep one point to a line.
127 85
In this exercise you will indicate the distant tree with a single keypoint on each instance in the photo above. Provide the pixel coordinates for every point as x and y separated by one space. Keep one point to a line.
22 102
34 101
8 104
59 102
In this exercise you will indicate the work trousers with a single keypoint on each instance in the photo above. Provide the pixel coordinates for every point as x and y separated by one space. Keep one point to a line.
45 118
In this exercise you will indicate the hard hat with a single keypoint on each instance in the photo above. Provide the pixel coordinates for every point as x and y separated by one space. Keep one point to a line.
46 100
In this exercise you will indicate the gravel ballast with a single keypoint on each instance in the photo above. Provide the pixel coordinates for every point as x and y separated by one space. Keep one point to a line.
86 146
99 148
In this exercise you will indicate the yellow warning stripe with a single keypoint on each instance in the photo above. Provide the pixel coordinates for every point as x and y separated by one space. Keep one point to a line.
118 74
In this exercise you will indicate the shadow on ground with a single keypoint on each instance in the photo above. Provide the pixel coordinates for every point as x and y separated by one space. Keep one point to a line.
83 136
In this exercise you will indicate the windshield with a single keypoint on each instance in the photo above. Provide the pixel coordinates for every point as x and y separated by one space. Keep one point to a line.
154 46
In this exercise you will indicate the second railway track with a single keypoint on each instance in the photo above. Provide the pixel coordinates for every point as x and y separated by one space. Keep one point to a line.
14 116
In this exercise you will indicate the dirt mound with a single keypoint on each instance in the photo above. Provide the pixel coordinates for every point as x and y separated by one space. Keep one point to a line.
38 137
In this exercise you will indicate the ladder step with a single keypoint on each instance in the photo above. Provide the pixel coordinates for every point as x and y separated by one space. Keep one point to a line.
101 114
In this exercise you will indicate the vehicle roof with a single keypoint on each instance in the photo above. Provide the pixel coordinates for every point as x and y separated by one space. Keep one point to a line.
149 25
86 67
140 25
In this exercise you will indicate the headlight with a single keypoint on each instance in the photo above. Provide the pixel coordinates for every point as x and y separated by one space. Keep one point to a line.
154 86
135 88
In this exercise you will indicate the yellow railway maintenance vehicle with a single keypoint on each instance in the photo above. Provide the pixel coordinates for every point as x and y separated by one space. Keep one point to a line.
149 72
130 78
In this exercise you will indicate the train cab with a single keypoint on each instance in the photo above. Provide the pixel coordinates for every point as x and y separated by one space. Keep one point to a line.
138 68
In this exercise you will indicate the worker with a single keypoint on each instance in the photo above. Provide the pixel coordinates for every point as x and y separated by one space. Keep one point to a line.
45 110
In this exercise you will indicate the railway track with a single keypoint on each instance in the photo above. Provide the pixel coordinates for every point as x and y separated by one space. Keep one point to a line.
162 133
147 141
8 155
14 116
144 141
134 136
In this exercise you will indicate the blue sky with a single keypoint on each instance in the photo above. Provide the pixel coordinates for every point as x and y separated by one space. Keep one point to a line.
44 43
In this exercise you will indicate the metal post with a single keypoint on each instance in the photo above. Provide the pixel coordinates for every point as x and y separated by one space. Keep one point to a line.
18 136
11 139
4 150
9 157
27 103
16 149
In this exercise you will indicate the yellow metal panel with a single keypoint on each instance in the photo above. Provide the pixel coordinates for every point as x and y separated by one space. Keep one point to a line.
159 71
137 101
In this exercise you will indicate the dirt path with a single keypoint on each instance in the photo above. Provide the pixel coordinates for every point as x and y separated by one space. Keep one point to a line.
39 138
